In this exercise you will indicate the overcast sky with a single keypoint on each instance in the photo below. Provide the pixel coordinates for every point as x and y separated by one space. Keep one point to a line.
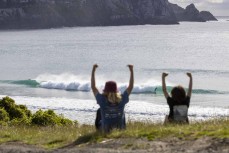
216 7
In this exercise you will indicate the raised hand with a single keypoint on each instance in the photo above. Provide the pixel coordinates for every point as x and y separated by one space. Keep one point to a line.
164 85
130 67
131 82
189 75
190 85
93 84
95 66
164 74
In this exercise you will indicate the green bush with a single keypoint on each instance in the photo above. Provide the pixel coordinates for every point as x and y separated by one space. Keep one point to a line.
16 113
4 116
20 121
45 118
20 114
7 103
42 118
25 109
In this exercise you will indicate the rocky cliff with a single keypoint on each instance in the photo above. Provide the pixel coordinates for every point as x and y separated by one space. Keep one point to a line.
190 13
88 13
59 13
207 16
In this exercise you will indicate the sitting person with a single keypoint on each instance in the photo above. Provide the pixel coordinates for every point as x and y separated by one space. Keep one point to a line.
111 113
178 103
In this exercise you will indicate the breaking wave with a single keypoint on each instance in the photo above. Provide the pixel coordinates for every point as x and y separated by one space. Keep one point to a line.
86 87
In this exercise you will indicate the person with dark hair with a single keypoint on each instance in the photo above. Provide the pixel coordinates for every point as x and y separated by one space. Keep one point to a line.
178 102
111 114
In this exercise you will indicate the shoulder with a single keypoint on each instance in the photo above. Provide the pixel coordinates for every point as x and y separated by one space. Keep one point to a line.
187 100
125 97
98 95
125 93
100 98
169 100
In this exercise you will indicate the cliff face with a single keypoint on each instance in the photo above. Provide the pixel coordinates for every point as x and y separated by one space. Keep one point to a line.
12 16
190 13
58 13
139 12
89 13
207 16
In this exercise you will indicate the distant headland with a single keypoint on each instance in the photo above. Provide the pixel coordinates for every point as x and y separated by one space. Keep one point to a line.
33 14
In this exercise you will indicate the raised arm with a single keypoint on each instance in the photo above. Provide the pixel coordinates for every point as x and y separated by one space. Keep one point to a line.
131 82
190 85
93 84
164 85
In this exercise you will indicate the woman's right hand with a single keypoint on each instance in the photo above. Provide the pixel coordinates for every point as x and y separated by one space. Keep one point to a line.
130 67
189 75
95 66
164 74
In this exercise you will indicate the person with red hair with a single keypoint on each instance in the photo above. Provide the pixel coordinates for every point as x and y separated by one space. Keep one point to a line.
111 113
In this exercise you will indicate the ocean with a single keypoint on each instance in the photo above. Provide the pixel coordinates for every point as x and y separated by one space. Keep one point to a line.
51 68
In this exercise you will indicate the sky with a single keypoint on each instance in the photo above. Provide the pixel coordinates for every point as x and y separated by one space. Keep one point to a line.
216 7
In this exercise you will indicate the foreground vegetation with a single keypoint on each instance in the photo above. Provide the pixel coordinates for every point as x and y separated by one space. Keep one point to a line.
49 130
59 136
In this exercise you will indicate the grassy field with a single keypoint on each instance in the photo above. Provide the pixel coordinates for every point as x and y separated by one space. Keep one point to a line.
58 136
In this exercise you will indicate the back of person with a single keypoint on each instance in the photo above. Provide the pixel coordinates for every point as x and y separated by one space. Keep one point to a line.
178 110
113 117
178 102
180 113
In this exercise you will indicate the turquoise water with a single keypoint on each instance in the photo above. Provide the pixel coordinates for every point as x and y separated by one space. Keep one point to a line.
51 68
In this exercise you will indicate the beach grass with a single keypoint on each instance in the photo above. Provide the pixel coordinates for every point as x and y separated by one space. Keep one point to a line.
52 137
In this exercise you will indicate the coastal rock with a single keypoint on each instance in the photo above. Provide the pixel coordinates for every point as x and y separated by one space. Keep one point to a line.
190 13
178 11
59 13
11 17
207 16
88 13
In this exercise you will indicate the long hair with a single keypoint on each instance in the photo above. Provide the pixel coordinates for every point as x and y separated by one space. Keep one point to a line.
178 94
113 97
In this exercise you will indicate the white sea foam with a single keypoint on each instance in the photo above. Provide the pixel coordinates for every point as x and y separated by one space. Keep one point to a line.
68 81
84 110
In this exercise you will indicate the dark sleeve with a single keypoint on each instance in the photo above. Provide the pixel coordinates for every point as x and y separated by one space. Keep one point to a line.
169 101
125 97
99 98
187 101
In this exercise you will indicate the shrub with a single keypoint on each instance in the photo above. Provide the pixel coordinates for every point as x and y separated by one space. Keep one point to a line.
49 117
16 112
43 118
4 116
20 121
20 114
7 103
25 109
